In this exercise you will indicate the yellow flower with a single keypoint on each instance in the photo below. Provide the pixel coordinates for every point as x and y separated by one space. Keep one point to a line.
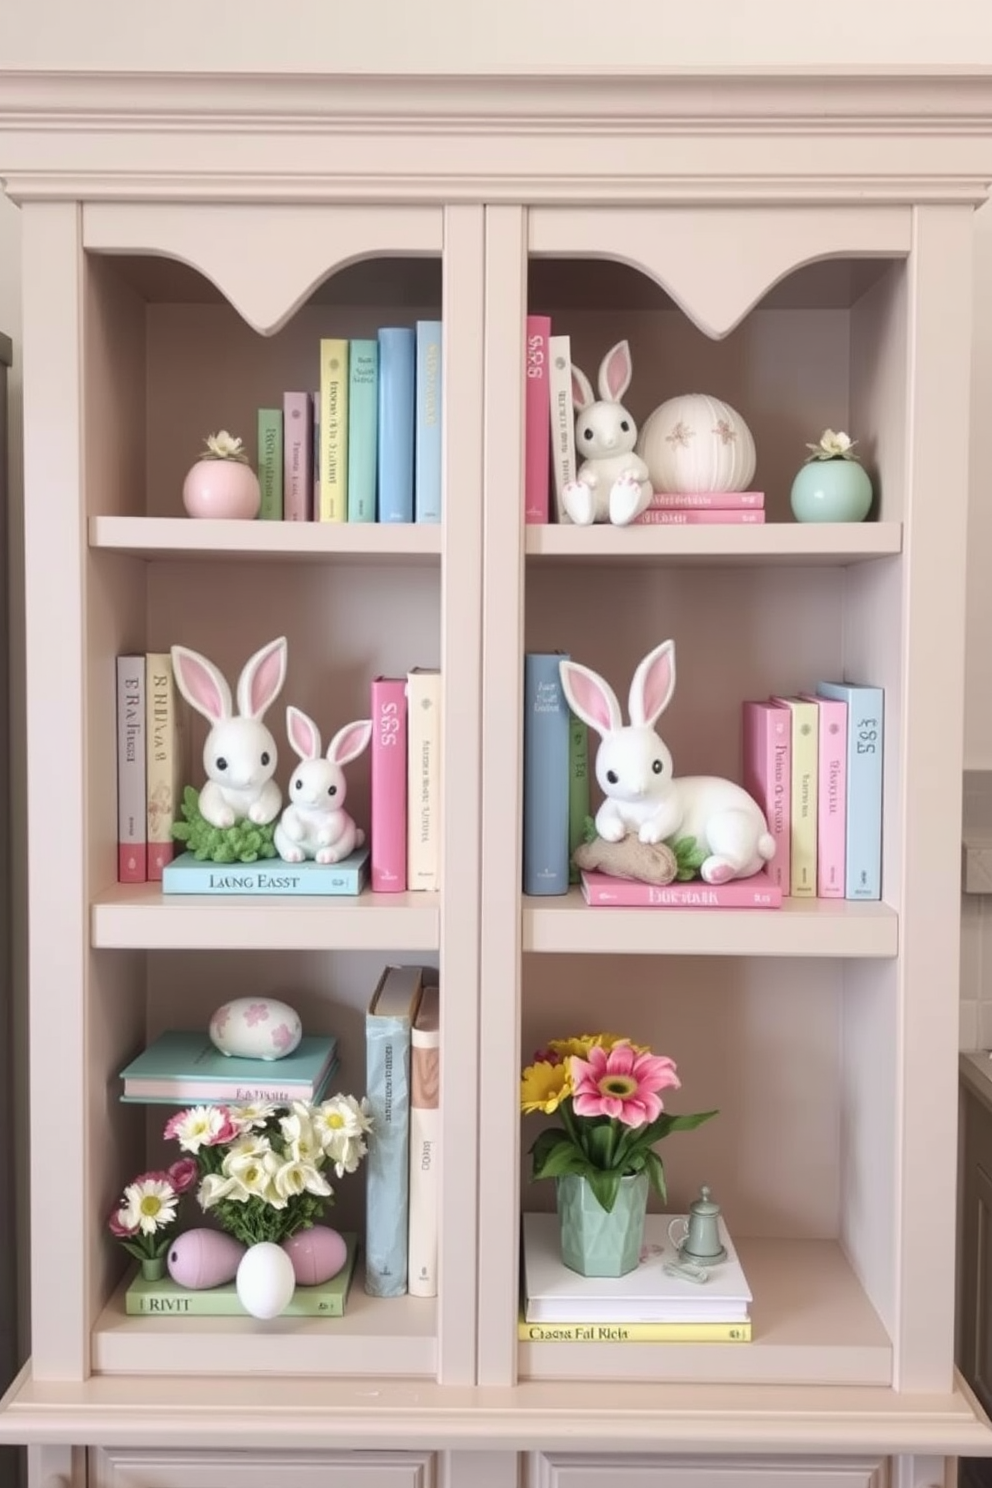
544 1086
579 1047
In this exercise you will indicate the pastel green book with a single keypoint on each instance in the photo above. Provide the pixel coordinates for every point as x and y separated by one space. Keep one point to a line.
166 1298
184 1065
363 426
578 789
270 463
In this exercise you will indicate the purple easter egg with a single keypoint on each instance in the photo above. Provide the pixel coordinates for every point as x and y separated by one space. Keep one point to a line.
204 1258
317 1254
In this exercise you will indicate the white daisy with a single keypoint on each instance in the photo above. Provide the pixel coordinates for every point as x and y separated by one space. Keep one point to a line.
149 1205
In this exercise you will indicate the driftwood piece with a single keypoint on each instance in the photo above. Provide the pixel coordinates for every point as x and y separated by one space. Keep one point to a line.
647 862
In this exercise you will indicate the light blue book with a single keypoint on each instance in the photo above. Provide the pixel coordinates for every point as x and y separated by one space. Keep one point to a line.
363 419
388 1023
427 442
183 1065
188 874
865 733
397 405
547 772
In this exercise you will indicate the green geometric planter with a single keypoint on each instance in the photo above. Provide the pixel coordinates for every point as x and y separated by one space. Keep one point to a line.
595 1243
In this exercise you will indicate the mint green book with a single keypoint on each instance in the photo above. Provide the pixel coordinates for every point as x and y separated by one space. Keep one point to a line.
363 430
270 463
578 789
183 1065
166 1298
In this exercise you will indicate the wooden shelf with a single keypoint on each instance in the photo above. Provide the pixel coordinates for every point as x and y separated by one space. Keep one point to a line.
802 927
395 1336
141 917
317 542
811 1325
794 543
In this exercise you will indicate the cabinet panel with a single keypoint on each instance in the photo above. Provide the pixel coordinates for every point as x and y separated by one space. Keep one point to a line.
568 1471
113 1468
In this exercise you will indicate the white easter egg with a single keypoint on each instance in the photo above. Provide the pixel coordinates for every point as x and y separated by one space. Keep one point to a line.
266 1281
256 1028
697 443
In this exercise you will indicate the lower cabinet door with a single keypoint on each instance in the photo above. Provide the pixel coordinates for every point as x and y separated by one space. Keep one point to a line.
112 1467
565 1470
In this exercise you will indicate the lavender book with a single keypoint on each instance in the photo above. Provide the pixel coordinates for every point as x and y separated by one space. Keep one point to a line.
188 874
756 892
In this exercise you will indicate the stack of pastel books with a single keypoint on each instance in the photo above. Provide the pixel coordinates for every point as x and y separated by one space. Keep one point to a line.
648 1305
167 1298
182 1067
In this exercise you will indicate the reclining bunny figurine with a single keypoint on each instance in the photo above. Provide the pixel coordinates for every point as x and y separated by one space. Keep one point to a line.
613 483
634 770
239 755
314 825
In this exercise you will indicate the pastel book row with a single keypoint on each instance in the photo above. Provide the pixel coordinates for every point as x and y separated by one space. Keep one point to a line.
305 841
559 403
366 446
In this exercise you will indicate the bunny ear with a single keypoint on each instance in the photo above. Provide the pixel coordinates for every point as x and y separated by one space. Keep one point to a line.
653 685
349 742
590 698
615 371
261 679
303 734
201 684
582 393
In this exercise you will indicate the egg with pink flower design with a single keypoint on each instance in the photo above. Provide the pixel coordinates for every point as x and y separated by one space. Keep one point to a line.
255 1028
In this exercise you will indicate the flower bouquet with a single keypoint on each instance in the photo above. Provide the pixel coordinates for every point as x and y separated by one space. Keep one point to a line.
146 1217
606 1092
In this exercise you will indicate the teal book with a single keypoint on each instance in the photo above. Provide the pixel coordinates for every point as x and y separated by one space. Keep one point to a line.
270 463
865 733
166 1298
363 430
183 1066
427 436
189 874
388 1025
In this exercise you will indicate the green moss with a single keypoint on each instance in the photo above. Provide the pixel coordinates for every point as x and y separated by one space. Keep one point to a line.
243 843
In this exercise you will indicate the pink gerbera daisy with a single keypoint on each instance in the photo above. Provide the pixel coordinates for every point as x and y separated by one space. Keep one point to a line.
621 1083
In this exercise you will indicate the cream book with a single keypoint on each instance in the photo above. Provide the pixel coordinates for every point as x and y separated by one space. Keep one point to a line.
554 1294
165 758
423 797
425 1131
805 795
332 494
562 417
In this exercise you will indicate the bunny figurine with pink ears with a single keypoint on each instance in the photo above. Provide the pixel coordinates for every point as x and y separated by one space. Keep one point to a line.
239 755
314 825
613 483
634 770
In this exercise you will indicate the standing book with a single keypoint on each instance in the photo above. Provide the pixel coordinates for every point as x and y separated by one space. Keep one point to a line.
363 435
397 415
333 504
164 756
537 414
424 733
184 1066
427 438
767 776
831 803
803 802
297 484
388 1028
578 789
562 417
863 815
270 464
425 1133
389 785
132 771
547 726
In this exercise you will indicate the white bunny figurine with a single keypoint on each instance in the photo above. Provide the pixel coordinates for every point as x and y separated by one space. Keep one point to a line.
634 770
313 824
613 483
239 755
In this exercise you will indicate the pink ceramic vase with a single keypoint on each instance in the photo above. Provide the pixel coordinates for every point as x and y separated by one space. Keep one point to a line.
222 489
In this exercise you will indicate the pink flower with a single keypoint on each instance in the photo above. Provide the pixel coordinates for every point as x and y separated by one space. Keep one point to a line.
257 1013
118 1227
227 1131
622 1084
183 1174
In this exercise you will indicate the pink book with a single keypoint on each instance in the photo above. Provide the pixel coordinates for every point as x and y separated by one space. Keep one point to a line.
756 892
831 797
708 501
766 737
297 420
389 776
658 517
537 428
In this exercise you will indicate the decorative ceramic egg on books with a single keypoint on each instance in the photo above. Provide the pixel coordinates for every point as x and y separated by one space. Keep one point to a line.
317 1254
256 1028
697 443
265 1281
204 1258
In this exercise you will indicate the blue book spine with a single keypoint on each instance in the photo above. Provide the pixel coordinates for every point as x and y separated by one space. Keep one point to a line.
427 444
187 874
363 418
547 727
865 734
397 407
387 1175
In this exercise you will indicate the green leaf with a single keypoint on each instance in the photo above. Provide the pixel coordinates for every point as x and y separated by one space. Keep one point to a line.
589 833
605 1186
655 1169
561 1159
543 1144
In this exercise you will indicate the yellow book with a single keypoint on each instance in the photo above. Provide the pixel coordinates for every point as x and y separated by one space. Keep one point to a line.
164 759
634 1332
805 784
332 505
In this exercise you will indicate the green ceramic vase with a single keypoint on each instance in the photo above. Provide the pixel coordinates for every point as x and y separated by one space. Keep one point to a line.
153 1268
831 491
595 1243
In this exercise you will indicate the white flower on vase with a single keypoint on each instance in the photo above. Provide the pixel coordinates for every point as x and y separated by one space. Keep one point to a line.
149 1205
833 446
201 1126
301 1177
225 446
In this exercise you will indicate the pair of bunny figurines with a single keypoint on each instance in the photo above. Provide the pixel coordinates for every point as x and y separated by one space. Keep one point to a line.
240 758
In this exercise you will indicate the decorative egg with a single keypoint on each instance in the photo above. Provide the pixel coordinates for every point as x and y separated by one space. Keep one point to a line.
204 1258
266 1280
256 1028
317 1254
696 443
